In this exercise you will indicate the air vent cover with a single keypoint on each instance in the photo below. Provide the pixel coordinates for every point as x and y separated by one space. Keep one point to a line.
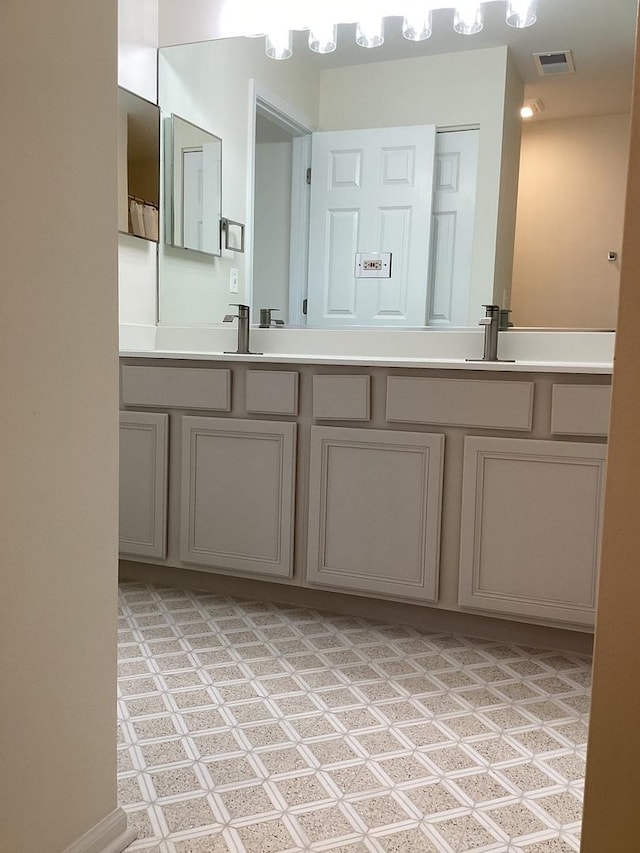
552 64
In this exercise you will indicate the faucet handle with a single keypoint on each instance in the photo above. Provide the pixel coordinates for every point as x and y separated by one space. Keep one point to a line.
266 320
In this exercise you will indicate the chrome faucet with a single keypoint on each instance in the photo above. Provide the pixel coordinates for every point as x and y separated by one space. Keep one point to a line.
493 322
266 320
243 330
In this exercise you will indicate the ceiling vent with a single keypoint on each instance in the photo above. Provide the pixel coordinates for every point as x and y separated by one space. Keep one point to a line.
552 64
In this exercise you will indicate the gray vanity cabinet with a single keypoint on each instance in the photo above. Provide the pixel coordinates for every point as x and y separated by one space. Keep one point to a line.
143 484
531 527
374 511
237 495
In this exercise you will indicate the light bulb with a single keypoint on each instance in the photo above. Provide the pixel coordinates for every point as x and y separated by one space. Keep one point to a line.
279 44
521 13
417 26
323 38
468 18
531 108
370 32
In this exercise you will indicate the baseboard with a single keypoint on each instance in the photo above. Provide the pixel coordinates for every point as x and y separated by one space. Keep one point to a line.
109 836
435 619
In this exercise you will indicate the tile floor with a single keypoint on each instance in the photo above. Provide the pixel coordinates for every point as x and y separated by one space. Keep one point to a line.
249 726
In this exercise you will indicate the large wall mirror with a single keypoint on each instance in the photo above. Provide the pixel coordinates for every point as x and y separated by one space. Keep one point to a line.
138 166
440 122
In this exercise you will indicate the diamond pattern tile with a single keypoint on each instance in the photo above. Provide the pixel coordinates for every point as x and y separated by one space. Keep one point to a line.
251 727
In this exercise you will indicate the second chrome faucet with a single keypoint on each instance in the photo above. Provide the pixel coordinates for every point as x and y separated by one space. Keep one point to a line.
495 320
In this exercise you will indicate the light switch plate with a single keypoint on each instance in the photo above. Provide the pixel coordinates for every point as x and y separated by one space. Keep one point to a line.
233 280
373 265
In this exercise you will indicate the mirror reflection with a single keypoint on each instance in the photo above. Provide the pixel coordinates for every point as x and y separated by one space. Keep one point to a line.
138 166
193 187
544 200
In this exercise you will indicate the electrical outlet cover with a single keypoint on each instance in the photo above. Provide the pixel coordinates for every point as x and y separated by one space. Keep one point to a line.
373 265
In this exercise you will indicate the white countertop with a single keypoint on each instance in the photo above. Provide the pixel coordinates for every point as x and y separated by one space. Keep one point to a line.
533 351
382 361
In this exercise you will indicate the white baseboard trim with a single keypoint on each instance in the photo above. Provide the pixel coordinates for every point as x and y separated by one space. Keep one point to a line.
109 836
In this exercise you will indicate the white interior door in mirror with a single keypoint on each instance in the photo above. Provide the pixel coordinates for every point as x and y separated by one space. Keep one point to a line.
192 195
200 193
454 204
371 191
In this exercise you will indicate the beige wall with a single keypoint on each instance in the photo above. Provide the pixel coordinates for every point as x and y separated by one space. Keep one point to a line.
611 816
58 450
570 215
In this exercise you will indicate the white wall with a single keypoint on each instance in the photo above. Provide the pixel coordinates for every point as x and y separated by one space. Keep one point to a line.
570 215
448 90
59 427
272 229
197 20
208 85
137 71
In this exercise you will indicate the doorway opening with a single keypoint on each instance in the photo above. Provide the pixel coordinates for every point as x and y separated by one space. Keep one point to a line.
278 205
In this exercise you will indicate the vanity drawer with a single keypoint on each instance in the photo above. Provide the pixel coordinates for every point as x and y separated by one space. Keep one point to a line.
482 403
176 387
580 409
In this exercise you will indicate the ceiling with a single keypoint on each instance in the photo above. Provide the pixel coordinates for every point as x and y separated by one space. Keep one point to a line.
600 34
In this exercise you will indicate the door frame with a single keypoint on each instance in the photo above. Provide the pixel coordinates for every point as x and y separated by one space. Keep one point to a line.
264 102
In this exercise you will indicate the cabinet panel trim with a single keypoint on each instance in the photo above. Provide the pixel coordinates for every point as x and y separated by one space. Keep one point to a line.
473 592
158 427
281 498
427 452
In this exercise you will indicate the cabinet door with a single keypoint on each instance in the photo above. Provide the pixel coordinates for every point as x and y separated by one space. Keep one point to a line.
143 484
531 527
374 511
237 502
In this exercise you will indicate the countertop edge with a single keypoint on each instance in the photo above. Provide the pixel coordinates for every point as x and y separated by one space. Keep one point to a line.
381 361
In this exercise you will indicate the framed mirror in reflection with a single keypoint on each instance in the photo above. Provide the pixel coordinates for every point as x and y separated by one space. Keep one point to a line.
193 187
544 200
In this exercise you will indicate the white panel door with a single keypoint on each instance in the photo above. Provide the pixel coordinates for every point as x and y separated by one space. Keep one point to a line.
456 172
371 191
193 198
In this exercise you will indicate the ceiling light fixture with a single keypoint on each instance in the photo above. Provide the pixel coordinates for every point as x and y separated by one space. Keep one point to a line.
279 18
468 18
521 13
323 37
417 25
531 108
370 32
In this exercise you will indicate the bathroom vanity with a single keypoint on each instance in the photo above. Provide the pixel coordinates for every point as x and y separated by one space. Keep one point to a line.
463 486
